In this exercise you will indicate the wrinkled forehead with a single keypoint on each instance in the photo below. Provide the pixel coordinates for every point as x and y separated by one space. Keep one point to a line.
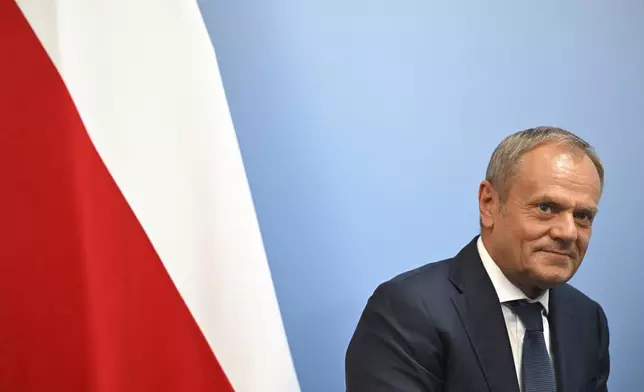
558 173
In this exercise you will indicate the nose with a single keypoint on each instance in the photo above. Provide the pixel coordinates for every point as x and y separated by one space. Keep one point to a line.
564 228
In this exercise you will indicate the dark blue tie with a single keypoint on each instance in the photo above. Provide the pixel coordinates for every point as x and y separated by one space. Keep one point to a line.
538 374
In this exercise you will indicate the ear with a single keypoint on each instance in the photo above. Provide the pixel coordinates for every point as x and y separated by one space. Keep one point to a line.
488 204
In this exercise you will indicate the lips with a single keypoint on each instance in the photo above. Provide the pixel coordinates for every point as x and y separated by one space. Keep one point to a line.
560 253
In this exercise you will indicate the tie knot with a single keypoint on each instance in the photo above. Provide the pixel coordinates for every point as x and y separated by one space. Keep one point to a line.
529 313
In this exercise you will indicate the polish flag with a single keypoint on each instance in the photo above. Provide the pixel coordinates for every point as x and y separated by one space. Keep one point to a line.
131 254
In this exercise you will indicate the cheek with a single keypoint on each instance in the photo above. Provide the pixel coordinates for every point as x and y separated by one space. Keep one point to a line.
533 229
536 258
582 241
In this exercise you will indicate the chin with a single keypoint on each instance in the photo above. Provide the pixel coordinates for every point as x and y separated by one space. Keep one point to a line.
552 276
553 270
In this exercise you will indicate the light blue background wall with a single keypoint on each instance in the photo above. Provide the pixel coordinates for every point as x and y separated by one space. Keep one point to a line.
366 126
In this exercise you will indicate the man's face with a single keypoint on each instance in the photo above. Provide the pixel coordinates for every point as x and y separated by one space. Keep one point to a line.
539 236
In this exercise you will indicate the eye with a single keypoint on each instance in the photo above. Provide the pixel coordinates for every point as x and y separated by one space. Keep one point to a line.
584 216
545 208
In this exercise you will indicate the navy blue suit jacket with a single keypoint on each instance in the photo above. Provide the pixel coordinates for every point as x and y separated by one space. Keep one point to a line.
440 328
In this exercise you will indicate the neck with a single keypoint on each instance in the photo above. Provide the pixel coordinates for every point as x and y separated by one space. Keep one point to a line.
531 292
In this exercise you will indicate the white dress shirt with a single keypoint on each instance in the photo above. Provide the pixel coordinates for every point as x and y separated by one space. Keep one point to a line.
506 291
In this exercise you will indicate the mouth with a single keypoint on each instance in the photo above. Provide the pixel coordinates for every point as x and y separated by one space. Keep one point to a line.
560 253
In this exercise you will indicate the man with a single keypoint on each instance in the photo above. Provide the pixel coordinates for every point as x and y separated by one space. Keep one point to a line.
499 316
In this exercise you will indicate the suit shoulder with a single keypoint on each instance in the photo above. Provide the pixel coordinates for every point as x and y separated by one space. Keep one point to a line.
427 271
576 298
422 281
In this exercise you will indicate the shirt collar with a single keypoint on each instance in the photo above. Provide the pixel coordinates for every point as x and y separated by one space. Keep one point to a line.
506 290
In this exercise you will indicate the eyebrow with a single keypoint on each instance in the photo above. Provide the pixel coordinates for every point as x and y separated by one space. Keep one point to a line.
593 210
548 199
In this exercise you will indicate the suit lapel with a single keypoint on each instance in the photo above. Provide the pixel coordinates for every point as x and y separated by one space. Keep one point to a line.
565 342
480 312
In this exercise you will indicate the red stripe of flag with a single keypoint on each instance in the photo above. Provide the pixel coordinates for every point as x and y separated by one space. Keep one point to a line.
85 302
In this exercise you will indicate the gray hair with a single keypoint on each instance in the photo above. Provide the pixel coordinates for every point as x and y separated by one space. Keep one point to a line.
507 155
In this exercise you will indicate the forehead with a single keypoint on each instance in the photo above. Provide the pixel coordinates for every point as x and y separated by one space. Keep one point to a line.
558 172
